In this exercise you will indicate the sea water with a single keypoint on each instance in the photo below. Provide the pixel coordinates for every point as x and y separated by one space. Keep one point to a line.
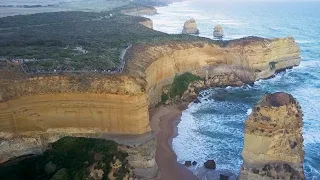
214 129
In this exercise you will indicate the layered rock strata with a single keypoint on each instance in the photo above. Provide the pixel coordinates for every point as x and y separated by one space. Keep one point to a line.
119 104
190 27
273 140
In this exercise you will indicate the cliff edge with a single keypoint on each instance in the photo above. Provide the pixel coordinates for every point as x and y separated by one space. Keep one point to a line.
119 103
273 140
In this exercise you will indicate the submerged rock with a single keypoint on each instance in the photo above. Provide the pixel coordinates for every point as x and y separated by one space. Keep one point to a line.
190 27
223 177
273 140
194 163
210 164
187 163
218 31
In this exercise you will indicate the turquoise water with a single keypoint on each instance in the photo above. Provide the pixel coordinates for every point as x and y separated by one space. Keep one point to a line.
214 128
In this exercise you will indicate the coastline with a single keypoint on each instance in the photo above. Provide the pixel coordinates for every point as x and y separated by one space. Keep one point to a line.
164 121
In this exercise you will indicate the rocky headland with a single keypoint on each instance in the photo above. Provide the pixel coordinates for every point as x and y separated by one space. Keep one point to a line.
190 27
36 110
273 140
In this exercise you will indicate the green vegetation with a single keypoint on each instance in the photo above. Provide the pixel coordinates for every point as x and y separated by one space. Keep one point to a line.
164 98
272 65
49 41
181 82
69 157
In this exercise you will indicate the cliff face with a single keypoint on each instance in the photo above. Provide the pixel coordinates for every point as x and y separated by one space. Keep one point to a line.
273 140
120 104
158 64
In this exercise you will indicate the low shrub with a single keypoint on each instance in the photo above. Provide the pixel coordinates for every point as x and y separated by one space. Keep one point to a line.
181 82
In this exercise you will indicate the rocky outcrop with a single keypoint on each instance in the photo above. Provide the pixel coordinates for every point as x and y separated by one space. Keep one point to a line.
190 27
273 140
147 23
142 159
218 31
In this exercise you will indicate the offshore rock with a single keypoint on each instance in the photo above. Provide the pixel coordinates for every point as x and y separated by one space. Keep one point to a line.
218 31
210 164
273 140
190 27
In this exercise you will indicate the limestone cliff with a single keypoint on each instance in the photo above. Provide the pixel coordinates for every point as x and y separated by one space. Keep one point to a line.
155 66
273 140
190 27
119 104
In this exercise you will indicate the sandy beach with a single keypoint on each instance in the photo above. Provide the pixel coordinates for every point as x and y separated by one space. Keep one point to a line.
164 123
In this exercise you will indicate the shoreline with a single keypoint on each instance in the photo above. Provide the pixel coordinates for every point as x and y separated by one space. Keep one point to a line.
164 121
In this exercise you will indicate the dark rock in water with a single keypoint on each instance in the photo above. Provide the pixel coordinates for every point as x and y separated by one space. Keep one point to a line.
223 177
187 163
197 101
210 164
251 84
50 167
194 163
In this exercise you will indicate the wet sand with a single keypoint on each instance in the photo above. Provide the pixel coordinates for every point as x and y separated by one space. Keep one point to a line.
164 123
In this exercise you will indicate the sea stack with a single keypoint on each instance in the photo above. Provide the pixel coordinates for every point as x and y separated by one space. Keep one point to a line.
218 31
273 140
190 27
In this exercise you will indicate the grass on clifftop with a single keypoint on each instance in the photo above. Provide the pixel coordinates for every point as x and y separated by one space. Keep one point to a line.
68 158
55 39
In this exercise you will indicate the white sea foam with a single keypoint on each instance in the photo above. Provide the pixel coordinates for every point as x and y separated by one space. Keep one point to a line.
249 111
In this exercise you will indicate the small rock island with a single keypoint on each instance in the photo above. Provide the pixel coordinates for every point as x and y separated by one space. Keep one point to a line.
273 140
190 27
218 31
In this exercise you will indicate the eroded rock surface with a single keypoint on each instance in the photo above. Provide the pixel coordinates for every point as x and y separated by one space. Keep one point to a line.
190 27
273 140
49 105
142 159
218 31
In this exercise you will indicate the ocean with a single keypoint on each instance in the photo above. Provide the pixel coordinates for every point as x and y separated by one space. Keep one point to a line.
214 129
